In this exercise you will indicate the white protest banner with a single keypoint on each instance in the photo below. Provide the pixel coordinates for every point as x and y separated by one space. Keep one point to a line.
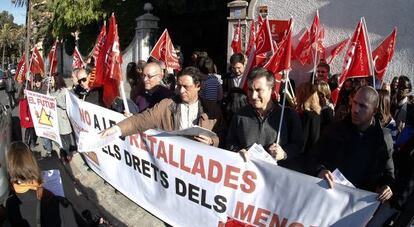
43 110
186 183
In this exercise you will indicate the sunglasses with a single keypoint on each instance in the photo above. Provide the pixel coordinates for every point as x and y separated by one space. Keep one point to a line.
81 80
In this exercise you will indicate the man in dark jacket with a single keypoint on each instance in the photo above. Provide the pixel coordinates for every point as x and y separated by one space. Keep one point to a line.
154 91
358 147
83 91
234 96
258 123
9 88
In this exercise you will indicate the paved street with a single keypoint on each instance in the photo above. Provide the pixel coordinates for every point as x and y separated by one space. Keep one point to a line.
88 191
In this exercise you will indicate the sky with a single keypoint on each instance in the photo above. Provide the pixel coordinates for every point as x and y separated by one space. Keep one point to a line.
19 13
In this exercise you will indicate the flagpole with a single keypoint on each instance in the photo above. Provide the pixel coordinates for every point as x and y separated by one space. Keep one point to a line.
51 66
314 65
122 90
291 89
314 47
27 41
370 61
283 108
28 73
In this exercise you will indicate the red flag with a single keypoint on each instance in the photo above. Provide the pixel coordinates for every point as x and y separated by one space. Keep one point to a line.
37 65
260 21
264 42
383 54
77 59
236 43
53 59
252 38
112 63
335 50
320 47
314 30
99 43
303 50
21 70
281 58
164 51
357 61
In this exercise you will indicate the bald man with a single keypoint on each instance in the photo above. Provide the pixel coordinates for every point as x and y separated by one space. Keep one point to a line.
358 147
154 91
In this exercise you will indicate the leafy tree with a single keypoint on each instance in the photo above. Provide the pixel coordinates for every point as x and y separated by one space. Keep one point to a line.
6 39
6 18
70 16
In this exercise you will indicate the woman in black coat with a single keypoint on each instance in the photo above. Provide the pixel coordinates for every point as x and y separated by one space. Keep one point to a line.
31 204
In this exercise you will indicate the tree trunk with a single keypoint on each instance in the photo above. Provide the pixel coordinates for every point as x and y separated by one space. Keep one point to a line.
2 59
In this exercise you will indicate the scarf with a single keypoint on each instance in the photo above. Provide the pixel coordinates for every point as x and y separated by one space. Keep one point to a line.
24 187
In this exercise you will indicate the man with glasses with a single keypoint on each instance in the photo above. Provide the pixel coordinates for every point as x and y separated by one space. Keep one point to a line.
322 72
154 91
184 111
86 93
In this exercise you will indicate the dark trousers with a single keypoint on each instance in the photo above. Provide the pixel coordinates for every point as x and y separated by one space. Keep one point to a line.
30 136
66 143
12 100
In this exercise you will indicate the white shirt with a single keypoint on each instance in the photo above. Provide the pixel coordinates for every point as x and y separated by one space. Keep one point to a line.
237 80
189 113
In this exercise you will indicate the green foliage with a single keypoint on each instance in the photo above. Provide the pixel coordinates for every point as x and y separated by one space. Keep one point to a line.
70 15
11 38
6 18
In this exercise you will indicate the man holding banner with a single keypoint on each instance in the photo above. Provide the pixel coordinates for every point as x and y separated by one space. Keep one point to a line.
177 113
358 147
259 121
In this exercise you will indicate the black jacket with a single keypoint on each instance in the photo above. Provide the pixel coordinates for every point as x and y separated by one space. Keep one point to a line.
365 159
94 96
54 210
246 128
404 176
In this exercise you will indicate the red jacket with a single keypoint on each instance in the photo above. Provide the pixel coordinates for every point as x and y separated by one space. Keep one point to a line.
25 112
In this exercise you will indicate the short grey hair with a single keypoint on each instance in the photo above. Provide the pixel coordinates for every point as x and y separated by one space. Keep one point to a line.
373 97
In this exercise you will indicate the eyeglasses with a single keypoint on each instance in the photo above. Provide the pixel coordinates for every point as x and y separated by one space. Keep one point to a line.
148 76
82 80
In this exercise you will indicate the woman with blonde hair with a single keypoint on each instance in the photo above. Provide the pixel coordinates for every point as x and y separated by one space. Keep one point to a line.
31 204
384 113
325 101
309 110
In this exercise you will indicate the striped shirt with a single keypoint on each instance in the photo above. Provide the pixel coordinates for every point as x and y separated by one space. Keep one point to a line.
212 89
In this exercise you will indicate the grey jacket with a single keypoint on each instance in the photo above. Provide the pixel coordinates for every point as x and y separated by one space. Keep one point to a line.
64 124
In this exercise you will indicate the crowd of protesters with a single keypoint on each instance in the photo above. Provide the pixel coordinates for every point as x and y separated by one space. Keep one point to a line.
367 134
